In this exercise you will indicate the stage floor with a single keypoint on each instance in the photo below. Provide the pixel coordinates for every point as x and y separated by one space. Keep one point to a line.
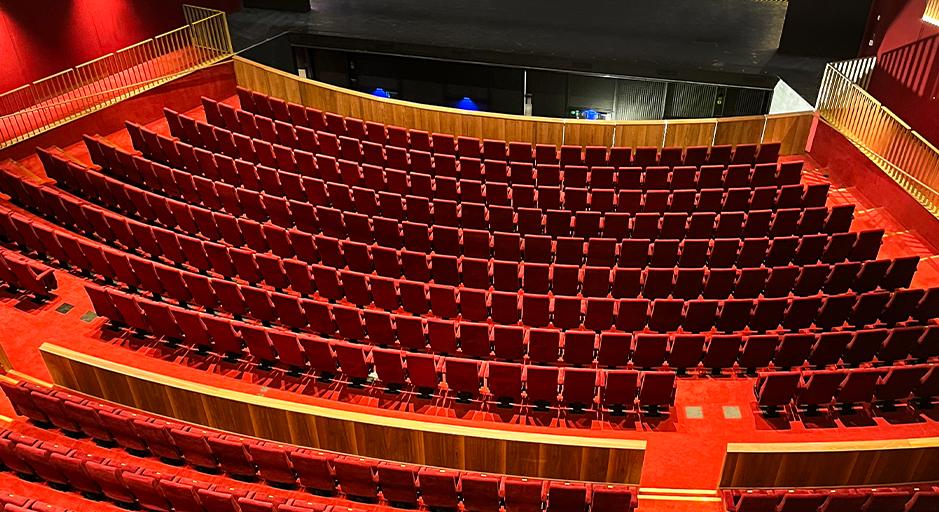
680 39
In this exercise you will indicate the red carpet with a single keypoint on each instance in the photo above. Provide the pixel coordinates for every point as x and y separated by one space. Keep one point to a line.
685 449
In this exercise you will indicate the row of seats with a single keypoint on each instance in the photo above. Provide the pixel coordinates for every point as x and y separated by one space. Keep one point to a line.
318 471
388 235
536 309
22 273
598 278
348 179
465 379
275 145
599 252
474 304
594 280
375 179
447 240
898 499
556 224
560 280
363 289
10 502
824 388
134 487
298 115
478 340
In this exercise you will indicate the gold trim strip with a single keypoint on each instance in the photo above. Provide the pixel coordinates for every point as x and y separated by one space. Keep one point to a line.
327 412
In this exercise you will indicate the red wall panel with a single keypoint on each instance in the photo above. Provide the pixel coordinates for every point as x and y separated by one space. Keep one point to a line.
42 37
906 80
895 23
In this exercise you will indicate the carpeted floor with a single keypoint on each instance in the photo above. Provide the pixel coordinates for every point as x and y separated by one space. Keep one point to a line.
685 450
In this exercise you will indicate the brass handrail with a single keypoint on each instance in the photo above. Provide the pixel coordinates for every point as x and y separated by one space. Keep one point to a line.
901 152
48 105
106 80
931 14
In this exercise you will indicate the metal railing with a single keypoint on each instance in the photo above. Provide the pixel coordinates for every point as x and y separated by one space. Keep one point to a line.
932 12
858 71
60 98
896 148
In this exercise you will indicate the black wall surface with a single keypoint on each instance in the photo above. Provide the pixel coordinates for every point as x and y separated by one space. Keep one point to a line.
276 52
499 88
435 82
825 28
693 40
280 5
440 80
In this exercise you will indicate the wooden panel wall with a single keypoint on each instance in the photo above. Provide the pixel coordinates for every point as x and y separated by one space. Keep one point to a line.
837 464
640 133
792 129
692 132
392 438
739 130
588 133
4 360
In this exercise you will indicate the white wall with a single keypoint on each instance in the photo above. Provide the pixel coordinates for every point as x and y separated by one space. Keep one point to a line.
786 100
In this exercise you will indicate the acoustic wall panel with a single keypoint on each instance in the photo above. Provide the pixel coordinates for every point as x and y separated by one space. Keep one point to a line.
690 100
639 100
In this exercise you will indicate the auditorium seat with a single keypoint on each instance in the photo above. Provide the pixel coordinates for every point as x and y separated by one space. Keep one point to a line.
776 390
439 488
899 498
19 272
481 492
281 467
756 502
523 494
656 391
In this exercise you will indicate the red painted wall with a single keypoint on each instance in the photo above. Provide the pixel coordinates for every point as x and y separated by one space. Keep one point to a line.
42 37
895 23
906 80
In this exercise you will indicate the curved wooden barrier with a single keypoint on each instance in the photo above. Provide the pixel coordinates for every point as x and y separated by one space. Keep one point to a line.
5 361
832 464
792 130
399 439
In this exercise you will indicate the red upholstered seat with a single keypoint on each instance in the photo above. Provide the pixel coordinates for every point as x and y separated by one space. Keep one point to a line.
398 482
356 478
523 494
439 487
314 470
777 389
272 463
232 455
481 492
504 381
757 502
